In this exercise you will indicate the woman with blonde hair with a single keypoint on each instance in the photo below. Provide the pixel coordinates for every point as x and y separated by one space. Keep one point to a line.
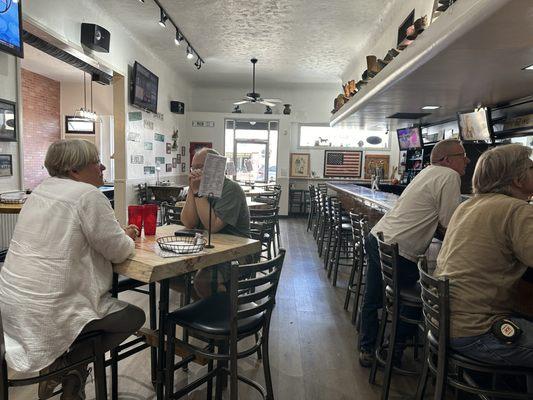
487 249
55 282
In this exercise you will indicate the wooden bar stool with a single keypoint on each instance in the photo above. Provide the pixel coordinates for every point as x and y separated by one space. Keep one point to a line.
446 365
394 298
356 281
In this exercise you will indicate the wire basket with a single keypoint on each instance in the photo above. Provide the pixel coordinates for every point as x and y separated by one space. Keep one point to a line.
181 244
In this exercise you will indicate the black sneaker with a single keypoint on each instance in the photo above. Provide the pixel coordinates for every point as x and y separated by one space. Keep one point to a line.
46 388
366 358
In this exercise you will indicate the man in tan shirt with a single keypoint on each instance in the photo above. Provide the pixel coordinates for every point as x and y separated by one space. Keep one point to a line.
487 249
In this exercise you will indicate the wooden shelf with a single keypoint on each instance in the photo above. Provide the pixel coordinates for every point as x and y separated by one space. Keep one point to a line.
472 54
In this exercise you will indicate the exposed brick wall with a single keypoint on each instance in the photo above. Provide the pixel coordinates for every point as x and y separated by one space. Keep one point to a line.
41 123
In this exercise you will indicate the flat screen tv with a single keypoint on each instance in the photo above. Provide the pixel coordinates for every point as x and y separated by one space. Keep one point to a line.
11 27
144 88
474 126
409 138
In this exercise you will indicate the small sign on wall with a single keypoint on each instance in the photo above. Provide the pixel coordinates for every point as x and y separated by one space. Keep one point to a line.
203 124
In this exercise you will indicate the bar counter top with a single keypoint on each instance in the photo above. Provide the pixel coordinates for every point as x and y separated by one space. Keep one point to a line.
376 198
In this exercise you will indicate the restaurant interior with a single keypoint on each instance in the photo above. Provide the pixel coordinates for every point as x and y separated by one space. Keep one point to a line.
323 116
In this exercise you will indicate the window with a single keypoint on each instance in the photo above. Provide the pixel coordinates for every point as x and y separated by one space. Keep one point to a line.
252 146
316 135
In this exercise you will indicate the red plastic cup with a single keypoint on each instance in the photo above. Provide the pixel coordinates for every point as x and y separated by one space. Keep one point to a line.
135 216
150 218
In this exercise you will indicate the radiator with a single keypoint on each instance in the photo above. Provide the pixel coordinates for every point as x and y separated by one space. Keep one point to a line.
7 227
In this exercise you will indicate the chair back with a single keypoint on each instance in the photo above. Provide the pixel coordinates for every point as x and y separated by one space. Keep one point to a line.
322 188
263 212
172 215
435 294
388 256
254 286
355 222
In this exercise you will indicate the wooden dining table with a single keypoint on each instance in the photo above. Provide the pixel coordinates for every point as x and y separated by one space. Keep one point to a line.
147 266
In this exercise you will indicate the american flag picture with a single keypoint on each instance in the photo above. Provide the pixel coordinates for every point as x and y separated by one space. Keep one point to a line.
345 164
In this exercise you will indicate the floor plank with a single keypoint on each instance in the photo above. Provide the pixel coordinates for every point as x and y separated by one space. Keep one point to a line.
312 342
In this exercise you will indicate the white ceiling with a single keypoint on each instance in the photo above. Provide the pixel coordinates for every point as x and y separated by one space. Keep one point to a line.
43 64
298 41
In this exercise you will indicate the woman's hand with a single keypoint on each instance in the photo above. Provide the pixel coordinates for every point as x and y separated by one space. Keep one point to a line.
132 231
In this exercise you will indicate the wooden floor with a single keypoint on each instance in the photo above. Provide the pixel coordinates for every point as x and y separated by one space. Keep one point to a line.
312 342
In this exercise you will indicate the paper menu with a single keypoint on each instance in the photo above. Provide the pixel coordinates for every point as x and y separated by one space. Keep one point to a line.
213 176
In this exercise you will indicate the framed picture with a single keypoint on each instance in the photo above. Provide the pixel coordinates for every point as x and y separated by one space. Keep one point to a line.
8 124
376 162
183 151
174 163
194 146
342 164
182 167
178 158
299 165
78 125
169 147
169 167
6 165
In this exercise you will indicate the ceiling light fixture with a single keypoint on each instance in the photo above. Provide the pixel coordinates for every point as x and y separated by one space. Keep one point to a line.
430 107
141 1
528 68
190 54
163 18
180 37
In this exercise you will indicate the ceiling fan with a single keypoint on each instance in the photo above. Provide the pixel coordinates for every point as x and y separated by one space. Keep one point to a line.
254 97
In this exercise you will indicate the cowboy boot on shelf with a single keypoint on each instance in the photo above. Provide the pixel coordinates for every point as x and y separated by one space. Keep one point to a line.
411 33
421 24
352 88
372 65
382 63
366 76
360 84
346 89
443 5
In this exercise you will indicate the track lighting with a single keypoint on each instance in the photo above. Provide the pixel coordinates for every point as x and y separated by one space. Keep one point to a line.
163 18
178 38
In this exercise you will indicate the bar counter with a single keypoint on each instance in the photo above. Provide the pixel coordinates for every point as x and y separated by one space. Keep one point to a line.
381 201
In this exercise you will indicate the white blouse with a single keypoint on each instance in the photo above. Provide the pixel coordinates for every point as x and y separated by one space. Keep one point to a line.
57 274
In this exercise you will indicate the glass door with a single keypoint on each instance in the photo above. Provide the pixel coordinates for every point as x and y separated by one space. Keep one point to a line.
251 161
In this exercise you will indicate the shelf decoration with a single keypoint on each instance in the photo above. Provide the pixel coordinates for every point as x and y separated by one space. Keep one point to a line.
345 164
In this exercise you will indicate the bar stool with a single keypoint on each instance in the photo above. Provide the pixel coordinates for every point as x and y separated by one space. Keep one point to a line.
446 365
324 223
97 358
394 298
329 231
312 208
356 281
343 247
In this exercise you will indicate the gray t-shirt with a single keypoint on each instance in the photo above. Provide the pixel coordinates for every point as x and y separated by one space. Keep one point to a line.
233 210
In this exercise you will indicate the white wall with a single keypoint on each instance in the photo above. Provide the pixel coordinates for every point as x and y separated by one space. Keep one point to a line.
65 23
8 91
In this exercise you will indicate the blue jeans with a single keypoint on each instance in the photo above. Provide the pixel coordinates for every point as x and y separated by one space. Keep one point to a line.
489 349
373 298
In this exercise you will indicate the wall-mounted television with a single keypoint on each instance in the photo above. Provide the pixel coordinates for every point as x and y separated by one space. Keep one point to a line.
475 126
144 86
410 138
11 27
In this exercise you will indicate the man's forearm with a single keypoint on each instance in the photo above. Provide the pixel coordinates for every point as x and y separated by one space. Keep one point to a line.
189 214
202 208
